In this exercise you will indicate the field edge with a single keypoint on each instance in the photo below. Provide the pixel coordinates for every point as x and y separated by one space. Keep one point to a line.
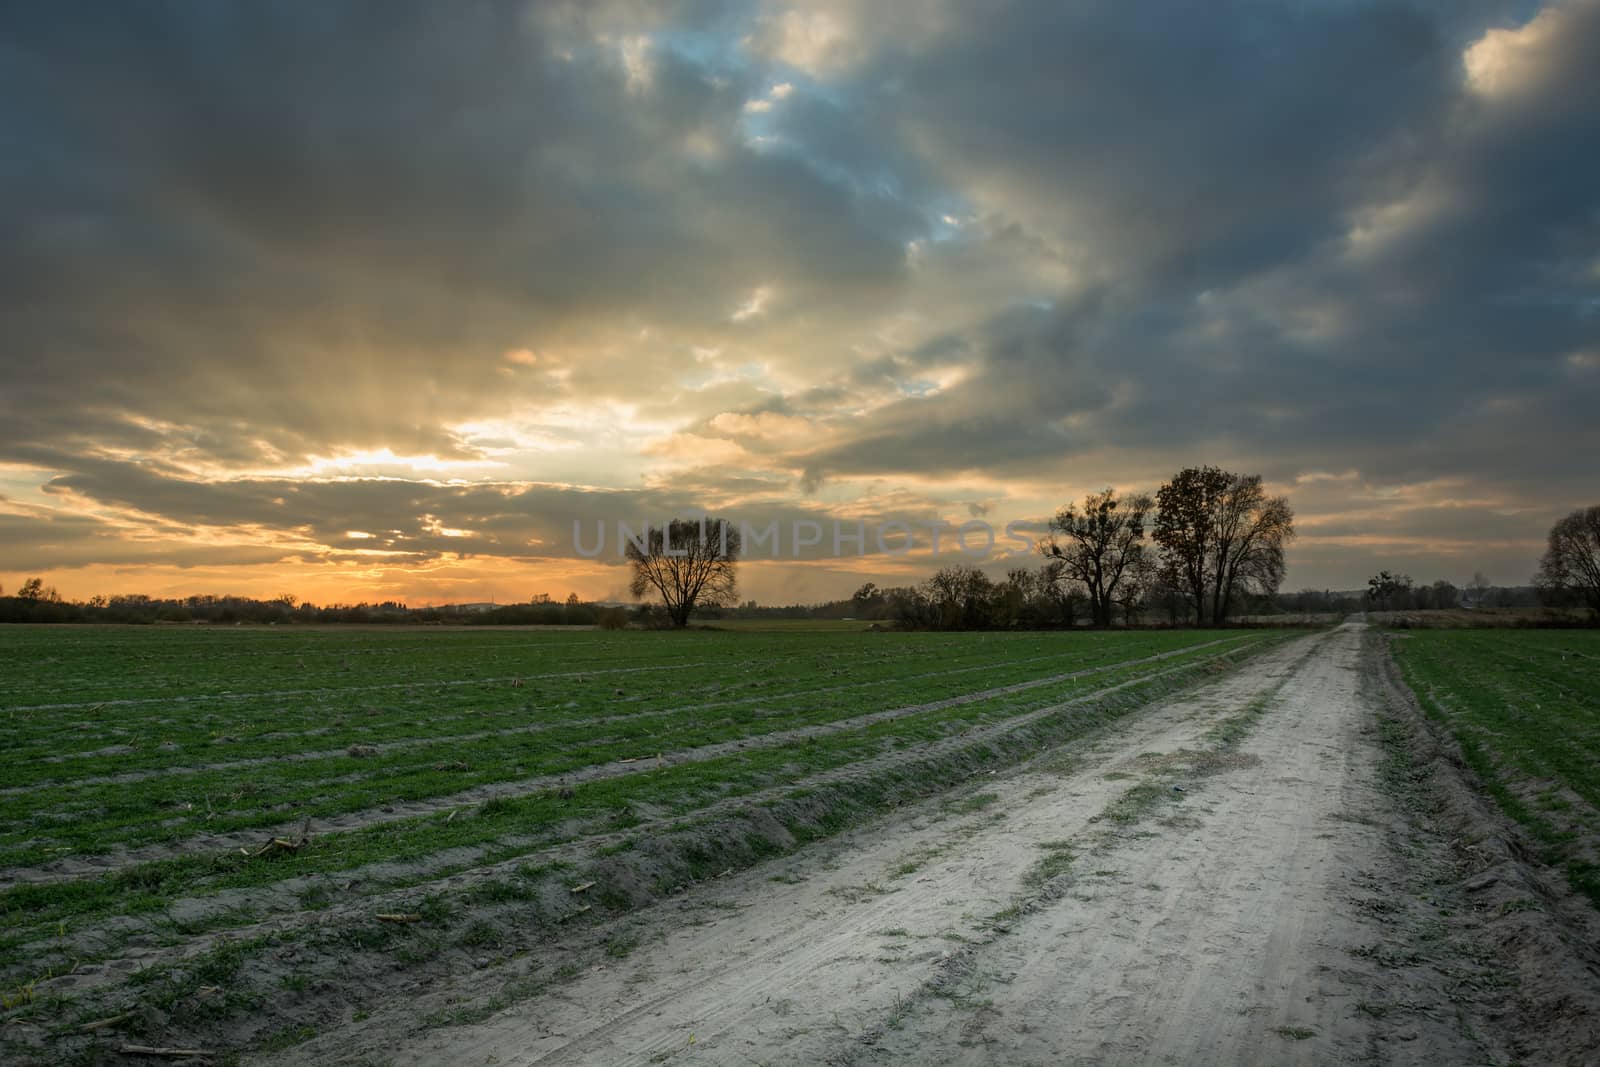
1498 896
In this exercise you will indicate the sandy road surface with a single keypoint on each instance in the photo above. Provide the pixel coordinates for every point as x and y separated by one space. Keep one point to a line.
1219 922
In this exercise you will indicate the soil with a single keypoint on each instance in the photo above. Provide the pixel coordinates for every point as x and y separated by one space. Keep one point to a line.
1280 866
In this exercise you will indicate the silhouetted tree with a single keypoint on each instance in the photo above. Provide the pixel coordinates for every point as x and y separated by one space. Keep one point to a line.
867 602
1065 596
1138 583
1386 591
1098 544
1184 527
691 563
1571 563
1250 533
1222 537
962 598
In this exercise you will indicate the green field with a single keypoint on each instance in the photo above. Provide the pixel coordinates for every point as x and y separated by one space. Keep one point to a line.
789 626
1524 706
463 780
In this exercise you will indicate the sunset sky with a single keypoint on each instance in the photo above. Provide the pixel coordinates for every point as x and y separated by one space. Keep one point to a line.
371 301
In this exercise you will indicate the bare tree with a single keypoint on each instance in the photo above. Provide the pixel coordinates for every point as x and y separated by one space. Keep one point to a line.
1016 597
1571 563
962 596
1139 582
1249 534
1098 545
1184 527
690 563
1221 536
1064 595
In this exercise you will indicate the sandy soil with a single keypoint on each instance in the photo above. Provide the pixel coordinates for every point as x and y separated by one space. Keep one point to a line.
1226 887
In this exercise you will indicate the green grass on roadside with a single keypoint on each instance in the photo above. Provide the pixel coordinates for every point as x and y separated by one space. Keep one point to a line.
1524 706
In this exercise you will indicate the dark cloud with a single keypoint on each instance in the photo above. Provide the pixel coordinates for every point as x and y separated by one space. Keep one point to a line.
1212 167
564 244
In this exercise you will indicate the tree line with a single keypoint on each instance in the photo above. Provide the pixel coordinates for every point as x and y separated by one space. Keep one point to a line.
1204 544
1568 577
1207 546
36 602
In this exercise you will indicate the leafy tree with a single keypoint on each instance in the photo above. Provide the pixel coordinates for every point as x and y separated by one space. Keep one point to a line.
1098 544
689 564
1571 563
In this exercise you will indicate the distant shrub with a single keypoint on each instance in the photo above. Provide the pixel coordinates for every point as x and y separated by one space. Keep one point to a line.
611 619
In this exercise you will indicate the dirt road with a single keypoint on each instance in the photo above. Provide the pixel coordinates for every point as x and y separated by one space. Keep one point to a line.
1207 882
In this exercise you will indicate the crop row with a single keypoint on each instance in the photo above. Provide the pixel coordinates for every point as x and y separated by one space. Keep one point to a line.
53 667
117 738
87 816
523 823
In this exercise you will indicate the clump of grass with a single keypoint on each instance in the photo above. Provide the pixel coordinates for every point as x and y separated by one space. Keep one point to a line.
495 807
480 933
16 998
622 946
968 805
1056 861
437 909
